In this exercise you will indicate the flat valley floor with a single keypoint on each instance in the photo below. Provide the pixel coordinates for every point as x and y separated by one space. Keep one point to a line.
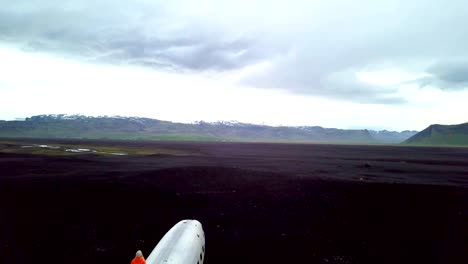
258 203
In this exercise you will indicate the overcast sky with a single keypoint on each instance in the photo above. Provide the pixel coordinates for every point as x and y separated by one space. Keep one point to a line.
349 64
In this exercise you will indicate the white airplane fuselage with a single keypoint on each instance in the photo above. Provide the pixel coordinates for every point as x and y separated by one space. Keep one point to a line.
182 244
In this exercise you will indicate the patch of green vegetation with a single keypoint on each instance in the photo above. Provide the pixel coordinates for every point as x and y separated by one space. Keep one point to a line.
454 135
59 133
16 147
38 151
455 140
127 150
60 149
181 137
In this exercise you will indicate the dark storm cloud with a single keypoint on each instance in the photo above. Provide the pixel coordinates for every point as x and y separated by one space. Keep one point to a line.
313 47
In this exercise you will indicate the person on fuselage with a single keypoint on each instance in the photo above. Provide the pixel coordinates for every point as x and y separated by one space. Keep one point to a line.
139 259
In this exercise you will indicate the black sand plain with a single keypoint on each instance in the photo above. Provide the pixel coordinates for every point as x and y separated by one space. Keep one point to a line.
258 203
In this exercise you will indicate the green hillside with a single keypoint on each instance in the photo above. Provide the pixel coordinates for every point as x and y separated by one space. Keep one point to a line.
456 135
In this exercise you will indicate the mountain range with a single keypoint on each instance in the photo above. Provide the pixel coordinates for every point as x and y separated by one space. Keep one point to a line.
118 127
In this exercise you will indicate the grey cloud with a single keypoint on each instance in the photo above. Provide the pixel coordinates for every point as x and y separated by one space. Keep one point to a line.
347 87
188 53
339 85
449 75
135 32
365 36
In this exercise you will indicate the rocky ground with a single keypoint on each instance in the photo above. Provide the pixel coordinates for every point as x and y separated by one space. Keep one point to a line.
258 203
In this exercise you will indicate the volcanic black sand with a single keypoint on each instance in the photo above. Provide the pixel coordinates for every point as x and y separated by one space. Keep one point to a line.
258 203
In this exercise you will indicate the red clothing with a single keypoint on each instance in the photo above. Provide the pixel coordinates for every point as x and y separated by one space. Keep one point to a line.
138 260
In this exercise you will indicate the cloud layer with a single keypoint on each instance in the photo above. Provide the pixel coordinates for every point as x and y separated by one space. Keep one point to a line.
312 48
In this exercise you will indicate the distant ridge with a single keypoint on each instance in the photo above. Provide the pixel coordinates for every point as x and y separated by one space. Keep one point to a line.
441 135
133 128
